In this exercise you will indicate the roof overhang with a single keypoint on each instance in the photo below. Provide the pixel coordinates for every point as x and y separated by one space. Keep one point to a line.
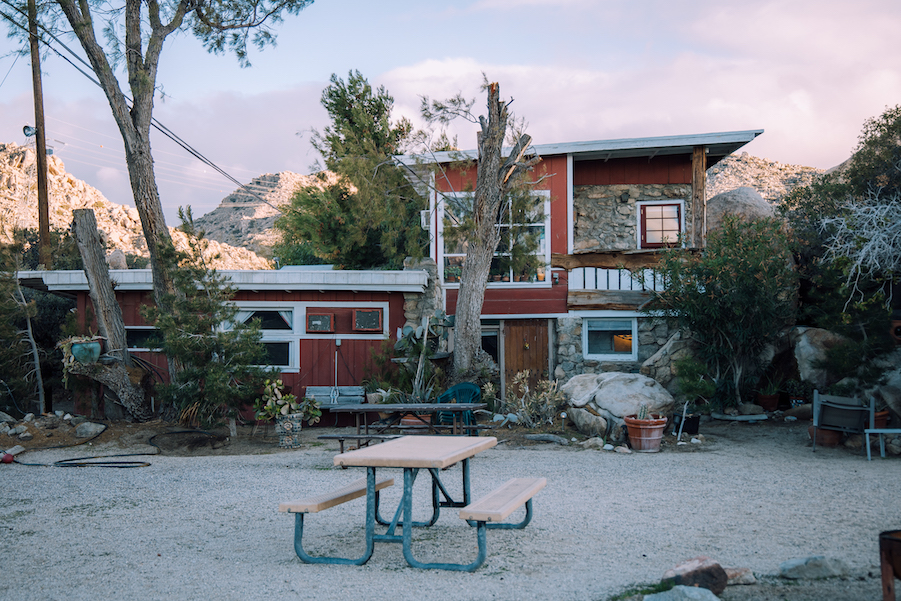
718 145
67 283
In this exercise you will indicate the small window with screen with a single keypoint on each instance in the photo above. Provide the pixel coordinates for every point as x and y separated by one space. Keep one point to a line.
368 320
320 322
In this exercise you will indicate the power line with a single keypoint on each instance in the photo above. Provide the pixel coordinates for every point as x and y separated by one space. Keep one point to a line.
153 120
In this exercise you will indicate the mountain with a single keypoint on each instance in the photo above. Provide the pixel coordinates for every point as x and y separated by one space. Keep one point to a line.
772 180
246 217
119 225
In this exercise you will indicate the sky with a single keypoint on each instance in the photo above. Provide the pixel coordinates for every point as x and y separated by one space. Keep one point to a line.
808 72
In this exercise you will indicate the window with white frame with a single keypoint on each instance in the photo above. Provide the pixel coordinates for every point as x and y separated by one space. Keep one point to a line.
276 327
659 224
610 338
457 206
139 338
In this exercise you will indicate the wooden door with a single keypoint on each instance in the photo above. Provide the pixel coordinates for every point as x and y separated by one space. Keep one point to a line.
525 344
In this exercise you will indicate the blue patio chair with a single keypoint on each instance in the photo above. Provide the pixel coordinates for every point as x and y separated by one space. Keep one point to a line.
465 392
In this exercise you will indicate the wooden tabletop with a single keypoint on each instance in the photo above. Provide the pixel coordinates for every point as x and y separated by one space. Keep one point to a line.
417 451
403 407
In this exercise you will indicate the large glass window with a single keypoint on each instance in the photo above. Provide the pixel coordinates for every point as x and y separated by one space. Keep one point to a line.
275 325
611 339
516 230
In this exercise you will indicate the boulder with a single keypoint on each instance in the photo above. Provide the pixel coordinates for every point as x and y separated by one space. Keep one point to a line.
116 260
660 365
810 346
587 423
614 395
683 593
744 201
89 429
812 568
701 572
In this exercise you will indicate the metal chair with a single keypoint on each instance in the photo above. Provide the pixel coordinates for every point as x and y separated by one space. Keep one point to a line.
465 392
845 414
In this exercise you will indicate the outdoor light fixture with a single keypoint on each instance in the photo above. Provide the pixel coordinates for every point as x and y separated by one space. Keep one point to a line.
29 131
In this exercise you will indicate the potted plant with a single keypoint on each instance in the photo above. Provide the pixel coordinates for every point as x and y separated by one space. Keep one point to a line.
696 386
288 412
798 391
768 394
83 349
645 430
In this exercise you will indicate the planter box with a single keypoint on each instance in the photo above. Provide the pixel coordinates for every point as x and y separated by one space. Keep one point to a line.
288 429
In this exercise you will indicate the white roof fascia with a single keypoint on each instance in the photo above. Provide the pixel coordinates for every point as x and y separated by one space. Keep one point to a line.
613 148
141 279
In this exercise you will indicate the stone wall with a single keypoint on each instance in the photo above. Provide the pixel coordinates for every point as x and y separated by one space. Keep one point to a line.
652 335
606 217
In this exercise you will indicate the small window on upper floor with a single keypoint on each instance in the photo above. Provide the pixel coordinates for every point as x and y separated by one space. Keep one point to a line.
660 224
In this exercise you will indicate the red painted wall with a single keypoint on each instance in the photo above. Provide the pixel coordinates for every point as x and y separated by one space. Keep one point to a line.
667 169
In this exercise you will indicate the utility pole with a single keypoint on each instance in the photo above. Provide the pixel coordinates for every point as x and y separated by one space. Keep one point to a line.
41 150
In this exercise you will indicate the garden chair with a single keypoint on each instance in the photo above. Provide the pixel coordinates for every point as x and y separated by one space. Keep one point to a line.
844 414
465 392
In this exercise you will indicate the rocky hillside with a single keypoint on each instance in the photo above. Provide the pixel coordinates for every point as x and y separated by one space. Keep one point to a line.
119 225
772 180
246 217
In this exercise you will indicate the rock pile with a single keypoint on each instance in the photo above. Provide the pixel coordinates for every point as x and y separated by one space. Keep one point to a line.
119 225
45 426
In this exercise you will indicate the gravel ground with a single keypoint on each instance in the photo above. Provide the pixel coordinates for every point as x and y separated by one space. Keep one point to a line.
208 527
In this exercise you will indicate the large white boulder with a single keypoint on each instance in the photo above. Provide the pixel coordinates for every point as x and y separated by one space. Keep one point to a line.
743 201
615 395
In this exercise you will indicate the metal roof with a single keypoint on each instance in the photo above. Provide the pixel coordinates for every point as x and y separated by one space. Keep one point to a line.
63 282
719 145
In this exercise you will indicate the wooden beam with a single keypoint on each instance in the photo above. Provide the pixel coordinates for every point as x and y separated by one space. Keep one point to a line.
699 197
615 259
617 300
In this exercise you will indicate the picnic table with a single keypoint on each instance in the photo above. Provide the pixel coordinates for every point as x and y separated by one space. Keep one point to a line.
398 410
412 454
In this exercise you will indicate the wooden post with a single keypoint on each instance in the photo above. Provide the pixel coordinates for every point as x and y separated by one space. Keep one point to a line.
44 254
699 197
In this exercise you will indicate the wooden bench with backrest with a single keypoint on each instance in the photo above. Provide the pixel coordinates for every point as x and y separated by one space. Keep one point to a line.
315 504
336 395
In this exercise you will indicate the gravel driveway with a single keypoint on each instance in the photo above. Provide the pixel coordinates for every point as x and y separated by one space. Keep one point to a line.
208 527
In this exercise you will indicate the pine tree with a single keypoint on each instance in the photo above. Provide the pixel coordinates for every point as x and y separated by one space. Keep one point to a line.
369 217
219 358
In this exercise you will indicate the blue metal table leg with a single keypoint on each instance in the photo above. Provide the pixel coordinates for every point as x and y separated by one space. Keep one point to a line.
436 509
408 536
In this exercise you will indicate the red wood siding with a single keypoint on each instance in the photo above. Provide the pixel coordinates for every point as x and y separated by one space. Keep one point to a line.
671 169
520 301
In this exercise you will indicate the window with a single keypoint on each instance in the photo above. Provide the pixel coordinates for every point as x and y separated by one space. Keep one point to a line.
138 337
276 326
535 225
659 224
610 338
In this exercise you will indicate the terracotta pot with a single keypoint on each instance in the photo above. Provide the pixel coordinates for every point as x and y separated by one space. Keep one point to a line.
769 402
826 438
645 434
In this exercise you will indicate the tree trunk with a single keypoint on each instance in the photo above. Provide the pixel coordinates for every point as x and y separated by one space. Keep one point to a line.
494 178
123 379
125 382
106 308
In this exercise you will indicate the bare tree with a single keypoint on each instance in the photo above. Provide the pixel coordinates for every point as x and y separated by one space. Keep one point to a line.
496 177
